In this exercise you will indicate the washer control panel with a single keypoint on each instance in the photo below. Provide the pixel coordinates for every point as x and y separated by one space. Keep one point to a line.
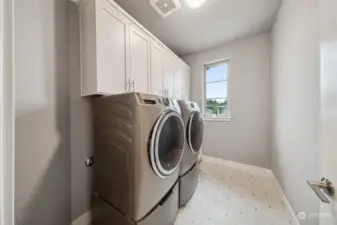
166 101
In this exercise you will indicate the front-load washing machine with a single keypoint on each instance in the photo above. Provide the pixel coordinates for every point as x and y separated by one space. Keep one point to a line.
138 146
189 168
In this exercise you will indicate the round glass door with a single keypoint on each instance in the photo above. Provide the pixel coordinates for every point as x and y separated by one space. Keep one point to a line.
195 131
167 143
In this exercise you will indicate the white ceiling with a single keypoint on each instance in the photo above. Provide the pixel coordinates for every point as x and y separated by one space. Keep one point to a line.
216 22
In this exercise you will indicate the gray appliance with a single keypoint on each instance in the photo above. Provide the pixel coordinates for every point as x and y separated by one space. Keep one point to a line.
189 168
138 146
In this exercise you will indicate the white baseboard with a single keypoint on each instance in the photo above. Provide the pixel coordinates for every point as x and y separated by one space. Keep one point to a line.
287 204
84 219
259 170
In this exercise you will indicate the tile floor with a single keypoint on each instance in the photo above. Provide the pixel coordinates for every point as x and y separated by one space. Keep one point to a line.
235 194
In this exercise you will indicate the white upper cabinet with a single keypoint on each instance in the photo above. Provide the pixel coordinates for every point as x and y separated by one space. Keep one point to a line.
168 76
178 79
186 82
181 80
119 55
139 60
111 49
103 49
157 69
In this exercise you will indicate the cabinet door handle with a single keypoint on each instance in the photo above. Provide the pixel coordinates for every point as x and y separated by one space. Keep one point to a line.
127 88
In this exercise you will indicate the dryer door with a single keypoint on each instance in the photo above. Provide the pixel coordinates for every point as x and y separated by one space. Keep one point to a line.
167 143
195 131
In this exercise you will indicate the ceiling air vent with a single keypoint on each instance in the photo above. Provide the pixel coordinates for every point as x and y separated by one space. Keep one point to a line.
165 7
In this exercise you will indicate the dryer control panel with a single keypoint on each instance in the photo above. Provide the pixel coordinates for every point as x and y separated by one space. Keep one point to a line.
166 101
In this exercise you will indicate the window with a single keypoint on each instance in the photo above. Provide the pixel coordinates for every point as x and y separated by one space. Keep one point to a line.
216 90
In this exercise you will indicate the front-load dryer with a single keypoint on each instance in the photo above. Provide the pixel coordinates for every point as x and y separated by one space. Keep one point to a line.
189 168
138 146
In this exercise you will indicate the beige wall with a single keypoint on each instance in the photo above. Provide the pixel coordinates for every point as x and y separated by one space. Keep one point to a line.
246 138
52 121
295 85
7 113
42 145
80 123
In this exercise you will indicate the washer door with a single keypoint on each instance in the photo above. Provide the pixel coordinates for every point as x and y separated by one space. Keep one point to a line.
195 131
167 143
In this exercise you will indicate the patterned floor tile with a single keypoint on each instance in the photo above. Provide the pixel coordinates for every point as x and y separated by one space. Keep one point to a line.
235 194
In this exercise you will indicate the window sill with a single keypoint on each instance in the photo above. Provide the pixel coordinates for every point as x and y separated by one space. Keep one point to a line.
218 119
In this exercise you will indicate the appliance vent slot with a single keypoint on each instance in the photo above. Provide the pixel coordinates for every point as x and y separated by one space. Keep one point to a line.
165 7
149 102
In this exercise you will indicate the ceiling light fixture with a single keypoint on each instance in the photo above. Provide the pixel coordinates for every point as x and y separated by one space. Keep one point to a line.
193 4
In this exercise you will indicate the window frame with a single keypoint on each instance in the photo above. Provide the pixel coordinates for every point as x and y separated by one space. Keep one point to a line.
226 117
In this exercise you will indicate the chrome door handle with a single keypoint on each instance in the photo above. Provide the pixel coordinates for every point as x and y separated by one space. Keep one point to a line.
323 189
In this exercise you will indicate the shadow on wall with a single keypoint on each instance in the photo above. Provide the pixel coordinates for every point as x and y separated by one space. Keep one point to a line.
80 121
49 204
42 172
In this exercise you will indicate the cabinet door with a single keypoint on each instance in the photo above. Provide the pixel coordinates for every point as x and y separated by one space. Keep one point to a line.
111 49
139 60
157 70
178 80
168 76
186 82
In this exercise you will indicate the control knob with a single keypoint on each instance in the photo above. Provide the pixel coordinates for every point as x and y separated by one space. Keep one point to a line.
166 101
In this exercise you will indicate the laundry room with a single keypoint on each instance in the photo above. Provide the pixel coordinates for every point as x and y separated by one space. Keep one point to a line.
168 112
